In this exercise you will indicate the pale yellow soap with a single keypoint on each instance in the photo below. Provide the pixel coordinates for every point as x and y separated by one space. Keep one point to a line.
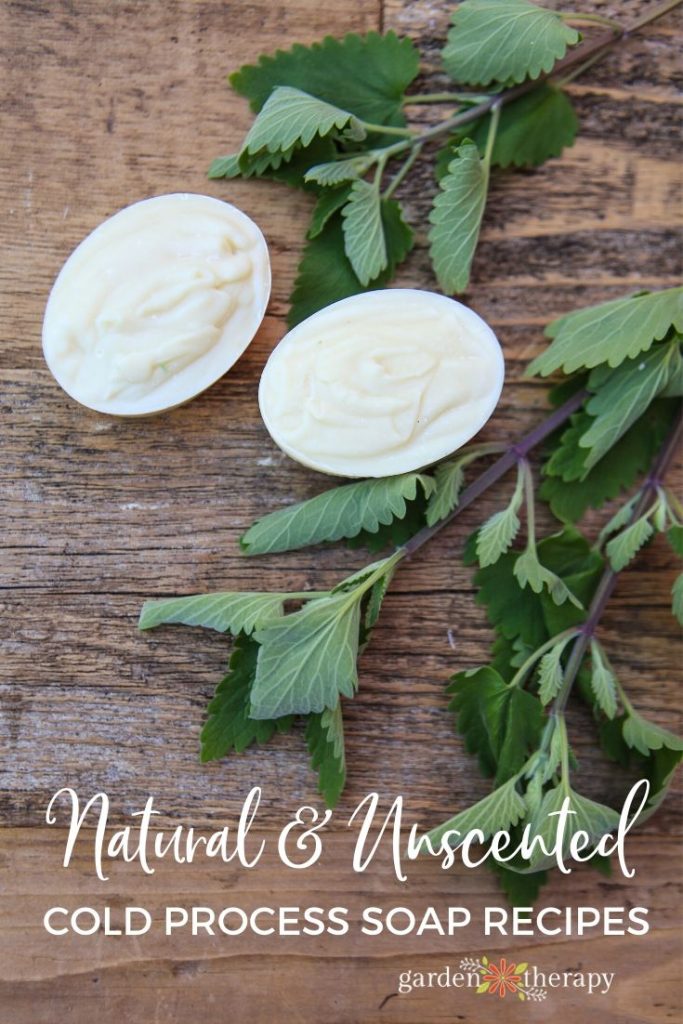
380 383
156 304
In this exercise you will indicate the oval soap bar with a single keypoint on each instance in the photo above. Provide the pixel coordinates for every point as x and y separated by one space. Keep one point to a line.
156 304
380 383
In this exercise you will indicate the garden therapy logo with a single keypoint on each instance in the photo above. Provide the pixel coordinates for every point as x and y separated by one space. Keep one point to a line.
503 978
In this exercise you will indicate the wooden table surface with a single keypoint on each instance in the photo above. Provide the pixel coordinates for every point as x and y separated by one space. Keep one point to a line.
108 102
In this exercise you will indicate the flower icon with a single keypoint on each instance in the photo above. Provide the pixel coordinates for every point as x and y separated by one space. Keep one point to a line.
499 979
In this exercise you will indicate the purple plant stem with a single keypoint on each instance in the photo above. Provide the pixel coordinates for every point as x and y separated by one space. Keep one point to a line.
499 468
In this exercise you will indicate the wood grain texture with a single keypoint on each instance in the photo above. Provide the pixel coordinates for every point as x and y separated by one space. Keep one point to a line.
108 103
347 980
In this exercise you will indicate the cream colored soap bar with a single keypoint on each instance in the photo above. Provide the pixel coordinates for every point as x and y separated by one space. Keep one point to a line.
381 383
156 304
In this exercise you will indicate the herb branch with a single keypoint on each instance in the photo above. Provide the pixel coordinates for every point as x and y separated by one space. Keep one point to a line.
330 118
296 653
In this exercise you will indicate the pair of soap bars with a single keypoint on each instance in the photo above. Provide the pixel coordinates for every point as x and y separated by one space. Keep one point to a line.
163 298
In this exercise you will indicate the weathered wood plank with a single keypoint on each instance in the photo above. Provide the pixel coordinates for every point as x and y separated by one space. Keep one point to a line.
105 104
160 977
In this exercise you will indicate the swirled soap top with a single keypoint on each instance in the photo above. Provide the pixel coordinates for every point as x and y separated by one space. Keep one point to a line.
381 383
156 304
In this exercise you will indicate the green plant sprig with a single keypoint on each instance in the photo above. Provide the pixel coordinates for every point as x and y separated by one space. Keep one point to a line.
301 662
533 776
330 118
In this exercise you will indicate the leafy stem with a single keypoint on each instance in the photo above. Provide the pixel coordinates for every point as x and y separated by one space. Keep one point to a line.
561 725
623 697
366 582
402 172
445 97
379 171
530 506
609 577
581 58
499 468
491 139
675 506
387 129
312 131
591 19
524 669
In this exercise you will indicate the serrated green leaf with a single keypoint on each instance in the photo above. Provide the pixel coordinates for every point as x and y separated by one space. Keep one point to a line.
228 726
626 545
520 652
550 675
531 129
521 890
325 741
264 162
518 718
327 204
661 512
377 595
674 385
531 573
337 172
325 274
361 575
398 531
469 691
498 722
568 460
656 763
449 478
622 398
603 684
612 740
512 611
497 812
585 816
579 490
645 736
340 512
307 659
533 795
609 333
602 864
533 618
677 598
456 218
621 517
659 770
364 242
504 41
225 166
555 755
371 72
674 535
289 168
246 165
398 236
225 611
290 117
497 534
